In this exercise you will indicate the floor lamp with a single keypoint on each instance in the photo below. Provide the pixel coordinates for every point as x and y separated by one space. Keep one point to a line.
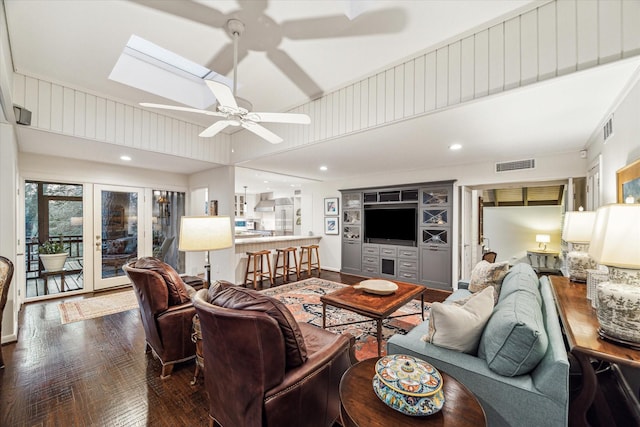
205 233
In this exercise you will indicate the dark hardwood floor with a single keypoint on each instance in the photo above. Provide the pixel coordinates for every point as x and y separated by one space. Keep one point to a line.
96 373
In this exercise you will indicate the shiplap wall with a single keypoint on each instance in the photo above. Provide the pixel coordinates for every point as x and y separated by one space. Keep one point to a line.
557 38
68 111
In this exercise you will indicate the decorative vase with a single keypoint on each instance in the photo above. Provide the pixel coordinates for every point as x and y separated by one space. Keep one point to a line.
53 262
408 385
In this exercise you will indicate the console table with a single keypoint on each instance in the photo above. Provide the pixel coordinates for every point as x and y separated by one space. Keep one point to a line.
580 325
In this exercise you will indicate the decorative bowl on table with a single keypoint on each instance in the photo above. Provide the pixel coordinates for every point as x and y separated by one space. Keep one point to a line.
408 385
377 286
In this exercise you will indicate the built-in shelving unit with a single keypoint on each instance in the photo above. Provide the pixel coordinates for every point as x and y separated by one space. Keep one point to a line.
424 260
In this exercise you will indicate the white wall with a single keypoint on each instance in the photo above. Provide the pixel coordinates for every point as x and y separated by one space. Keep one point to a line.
621 148
8 242
556 167
220 183
512 230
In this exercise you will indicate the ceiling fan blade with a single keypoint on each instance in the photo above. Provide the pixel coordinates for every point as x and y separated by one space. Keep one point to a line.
223 93
223 61
178 108
382 21
215 128
297 75
295 118
188 10
261 131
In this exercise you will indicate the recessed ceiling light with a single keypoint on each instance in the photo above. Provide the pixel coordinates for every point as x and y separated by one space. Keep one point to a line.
125 158
454 147
266 182
323 168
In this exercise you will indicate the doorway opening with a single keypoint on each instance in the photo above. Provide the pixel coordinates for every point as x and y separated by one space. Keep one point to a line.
53 213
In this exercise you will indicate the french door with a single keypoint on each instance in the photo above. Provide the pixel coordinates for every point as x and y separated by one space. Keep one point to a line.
118 232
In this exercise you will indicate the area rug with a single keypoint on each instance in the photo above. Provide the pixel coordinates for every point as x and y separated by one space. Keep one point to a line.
90 308
303 300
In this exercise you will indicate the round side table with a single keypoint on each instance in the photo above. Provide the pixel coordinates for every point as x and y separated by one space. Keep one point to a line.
360 407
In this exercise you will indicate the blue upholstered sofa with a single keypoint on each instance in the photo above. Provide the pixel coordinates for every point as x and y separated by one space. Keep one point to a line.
536 398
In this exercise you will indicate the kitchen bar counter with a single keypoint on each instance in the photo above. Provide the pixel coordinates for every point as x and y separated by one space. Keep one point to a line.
252 244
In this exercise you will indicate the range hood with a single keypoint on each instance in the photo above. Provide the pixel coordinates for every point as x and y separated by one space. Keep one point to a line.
265 206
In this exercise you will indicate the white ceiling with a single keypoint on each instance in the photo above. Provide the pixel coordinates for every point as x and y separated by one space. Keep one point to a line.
77 43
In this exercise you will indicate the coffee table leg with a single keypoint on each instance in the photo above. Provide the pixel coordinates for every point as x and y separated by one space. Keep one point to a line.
324 315
379 337
422 305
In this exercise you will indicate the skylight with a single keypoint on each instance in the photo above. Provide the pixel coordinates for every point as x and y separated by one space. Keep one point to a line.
151 68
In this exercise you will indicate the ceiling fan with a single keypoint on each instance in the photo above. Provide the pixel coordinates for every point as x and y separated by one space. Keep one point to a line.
236 111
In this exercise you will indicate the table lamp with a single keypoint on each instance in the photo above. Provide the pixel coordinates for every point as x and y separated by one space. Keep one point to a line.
615 242
205 233
542 240
577 231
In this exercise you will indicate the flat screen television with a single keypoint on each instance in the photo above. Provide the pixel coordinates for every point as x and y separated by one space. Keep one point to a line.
391 225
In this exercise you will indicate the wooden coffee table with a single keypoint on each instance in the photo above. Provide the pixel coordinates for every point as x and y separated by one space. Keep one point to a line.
359 405
376 307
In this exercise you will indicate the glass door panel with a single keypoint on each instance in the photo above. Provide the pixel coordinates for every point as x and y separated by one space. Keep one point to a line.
118 217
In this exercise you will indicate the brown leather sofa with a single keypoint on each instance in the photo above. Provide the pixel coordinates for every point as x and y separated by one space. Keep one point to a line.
262 368
166 311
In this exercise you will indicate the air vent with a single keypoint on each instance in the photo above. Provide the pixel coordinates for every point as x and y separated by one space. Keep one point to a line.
516 165
608 128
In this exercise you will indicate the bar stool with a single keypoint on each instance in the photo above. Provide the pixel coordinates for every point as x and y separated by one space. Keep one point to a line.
287 267
309 251
258 268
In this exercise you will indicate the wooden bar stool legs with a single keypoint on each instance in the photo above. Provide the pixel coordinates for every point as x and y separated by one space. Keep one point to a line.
306 259
259 273
287 267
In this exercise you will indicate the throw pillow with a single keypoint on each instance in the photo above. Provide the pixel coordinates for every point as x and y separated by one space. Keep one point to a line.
178 293
217 287
488 274
460 327
239 298
515 339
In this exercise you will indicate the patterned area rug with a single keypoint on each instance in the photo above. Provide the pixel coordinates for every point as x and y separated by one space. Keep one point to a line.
303 300
90 308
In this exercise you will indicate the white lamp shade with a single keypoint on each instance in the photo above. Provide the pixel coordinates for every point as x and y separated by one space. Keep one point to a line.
615 240
543 238
204 233
578 226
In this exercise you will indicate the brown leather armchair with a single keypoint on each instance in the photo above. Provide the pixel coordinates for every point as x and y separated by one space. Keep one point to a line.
166 311
262 368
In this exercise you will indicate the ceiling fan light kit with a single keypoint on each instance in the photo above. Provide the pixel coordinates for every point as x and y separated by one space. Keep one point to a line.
233 110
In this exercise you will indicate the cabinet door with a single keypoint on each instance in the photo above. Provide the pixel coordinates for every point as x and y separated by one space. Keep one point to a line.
435 216
435 267
435 196
351 256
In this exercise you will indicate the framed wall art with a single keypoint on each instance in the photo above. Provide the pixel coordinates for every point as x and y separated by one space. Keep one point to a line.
628 183
331 206
331 225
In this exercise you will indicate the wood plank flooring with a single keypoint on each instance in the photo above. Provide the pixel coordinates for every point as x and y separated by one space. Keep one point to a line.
95 373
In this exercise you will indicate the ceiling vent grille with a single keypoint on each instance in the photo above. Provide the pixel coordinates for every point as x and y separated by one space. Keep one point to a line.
608 128
516 165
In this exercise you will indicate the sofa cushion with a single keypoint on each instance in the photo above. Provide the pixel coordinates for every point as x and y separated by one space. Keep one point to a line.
460 327
217 287
238 298
514 340
178 293
488 274
521 277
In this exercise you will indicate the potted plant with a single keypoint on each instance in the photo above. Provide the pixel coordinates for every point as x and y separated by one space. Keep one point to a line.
53 255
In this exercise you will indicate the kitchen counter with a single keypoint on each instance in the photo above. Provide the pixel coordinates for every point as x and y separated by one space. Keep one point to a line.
252 244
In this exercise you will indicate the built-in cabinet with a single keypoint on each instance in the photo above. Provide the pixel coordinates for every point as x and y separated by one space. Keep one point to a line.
427 262
435 236
351 232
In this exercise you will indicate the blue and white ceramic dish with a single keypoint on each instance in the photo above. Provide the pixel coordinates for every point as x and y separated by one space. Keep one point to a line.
408 385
